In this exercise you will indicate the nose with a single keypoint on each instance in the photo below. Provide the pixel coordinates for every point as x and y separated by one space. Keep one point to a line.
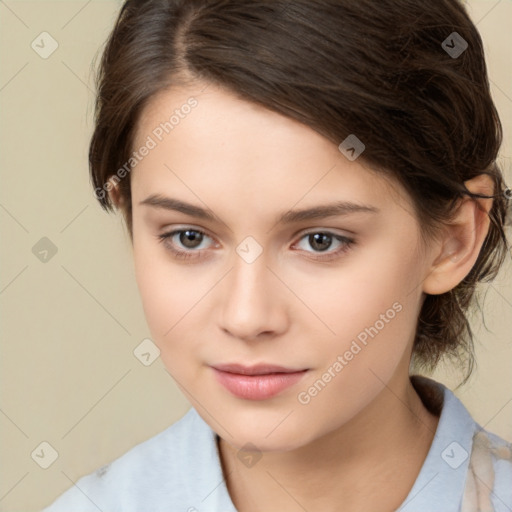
252 305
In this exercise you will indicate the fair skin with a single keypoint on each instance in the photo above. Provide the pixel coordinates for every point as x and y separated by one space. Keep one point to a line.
248 165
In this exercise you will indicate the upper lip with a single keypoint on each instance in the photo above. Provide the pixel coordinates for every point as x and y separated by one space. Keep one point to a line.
258 369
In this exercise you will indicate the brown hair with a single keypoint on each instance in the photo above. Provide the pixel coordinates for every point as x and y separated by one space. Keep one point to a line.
377 69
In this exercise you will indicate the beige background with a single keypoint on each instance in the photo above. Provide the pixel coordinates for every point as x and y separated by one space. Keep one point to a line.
70 325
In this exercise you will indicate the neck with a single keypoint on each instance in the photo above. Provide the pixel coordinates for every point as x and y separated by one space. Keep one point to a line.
354 465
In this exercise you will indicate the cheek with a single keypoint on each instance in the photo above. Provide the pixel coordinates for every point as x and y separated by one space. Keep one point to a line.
171 295
373 337
155 290
162 288
372 307
352 297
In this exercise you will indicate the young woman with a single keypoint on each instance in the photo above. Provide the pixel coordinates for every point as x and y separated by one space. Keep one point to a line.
312 194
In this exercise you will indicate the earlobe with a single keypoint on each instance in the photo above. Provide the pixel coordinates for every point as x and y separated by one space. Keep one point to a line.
462 240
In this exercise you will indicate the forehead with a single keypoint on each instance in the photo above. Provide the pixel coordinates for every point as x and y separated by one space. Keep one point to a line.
206 141
209 117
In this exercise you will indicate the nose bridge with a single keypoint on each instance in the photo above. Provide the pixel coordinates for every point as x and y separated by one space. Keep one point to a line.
250 303
249 282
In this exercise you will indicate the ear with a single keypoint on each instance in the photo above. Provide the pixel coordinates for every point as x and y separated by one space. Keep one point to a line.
462 239
115 196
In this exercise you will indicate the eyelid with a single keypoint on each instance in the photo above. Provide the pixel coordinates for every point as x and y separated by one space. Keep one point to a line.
329 231
186 227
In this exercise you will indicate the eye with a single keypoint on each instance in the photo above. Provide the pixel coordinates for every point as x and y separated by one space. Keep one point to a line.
322 241
190 243
190 239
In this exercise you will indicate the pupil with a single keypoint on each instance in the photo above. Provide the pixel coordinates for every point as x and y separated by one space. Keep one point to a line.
320 241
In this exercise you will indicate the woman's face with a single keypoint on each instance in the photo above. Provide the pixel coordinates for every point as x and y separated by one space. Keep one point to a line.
333 299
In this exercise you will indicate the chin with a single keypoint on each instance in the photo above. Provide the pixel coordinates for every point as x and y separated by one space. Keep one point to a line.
265 430
245 439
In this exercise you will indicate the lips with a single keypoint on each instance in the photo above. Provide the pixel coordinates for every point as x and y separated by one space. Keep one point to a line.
258 382
259 369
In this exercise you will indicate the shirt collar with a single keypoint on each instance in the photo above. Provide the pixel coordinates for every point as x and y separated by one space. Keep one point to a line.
440 483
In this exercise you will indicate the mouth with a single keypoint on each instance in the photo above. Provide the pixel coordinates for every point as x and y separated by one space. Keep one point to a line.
258 382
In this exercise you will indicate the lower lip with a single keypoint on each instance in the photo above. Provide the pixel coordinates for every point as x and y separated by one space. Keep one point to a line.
257 387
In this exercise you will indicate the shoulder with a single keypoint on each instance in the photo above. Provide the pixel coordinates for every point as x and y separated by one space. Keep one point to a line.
152 473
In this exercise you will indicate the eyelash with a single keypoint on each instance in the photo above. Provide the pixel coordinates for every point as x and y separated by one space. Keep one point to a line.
165 237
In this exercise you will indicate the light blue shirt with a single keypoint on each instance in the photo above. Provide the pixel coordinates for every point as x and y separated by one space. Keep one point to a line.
179 470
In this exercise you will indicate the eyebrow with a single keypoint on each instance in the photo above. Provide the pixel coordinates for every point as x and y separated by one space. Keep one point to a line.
289 217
